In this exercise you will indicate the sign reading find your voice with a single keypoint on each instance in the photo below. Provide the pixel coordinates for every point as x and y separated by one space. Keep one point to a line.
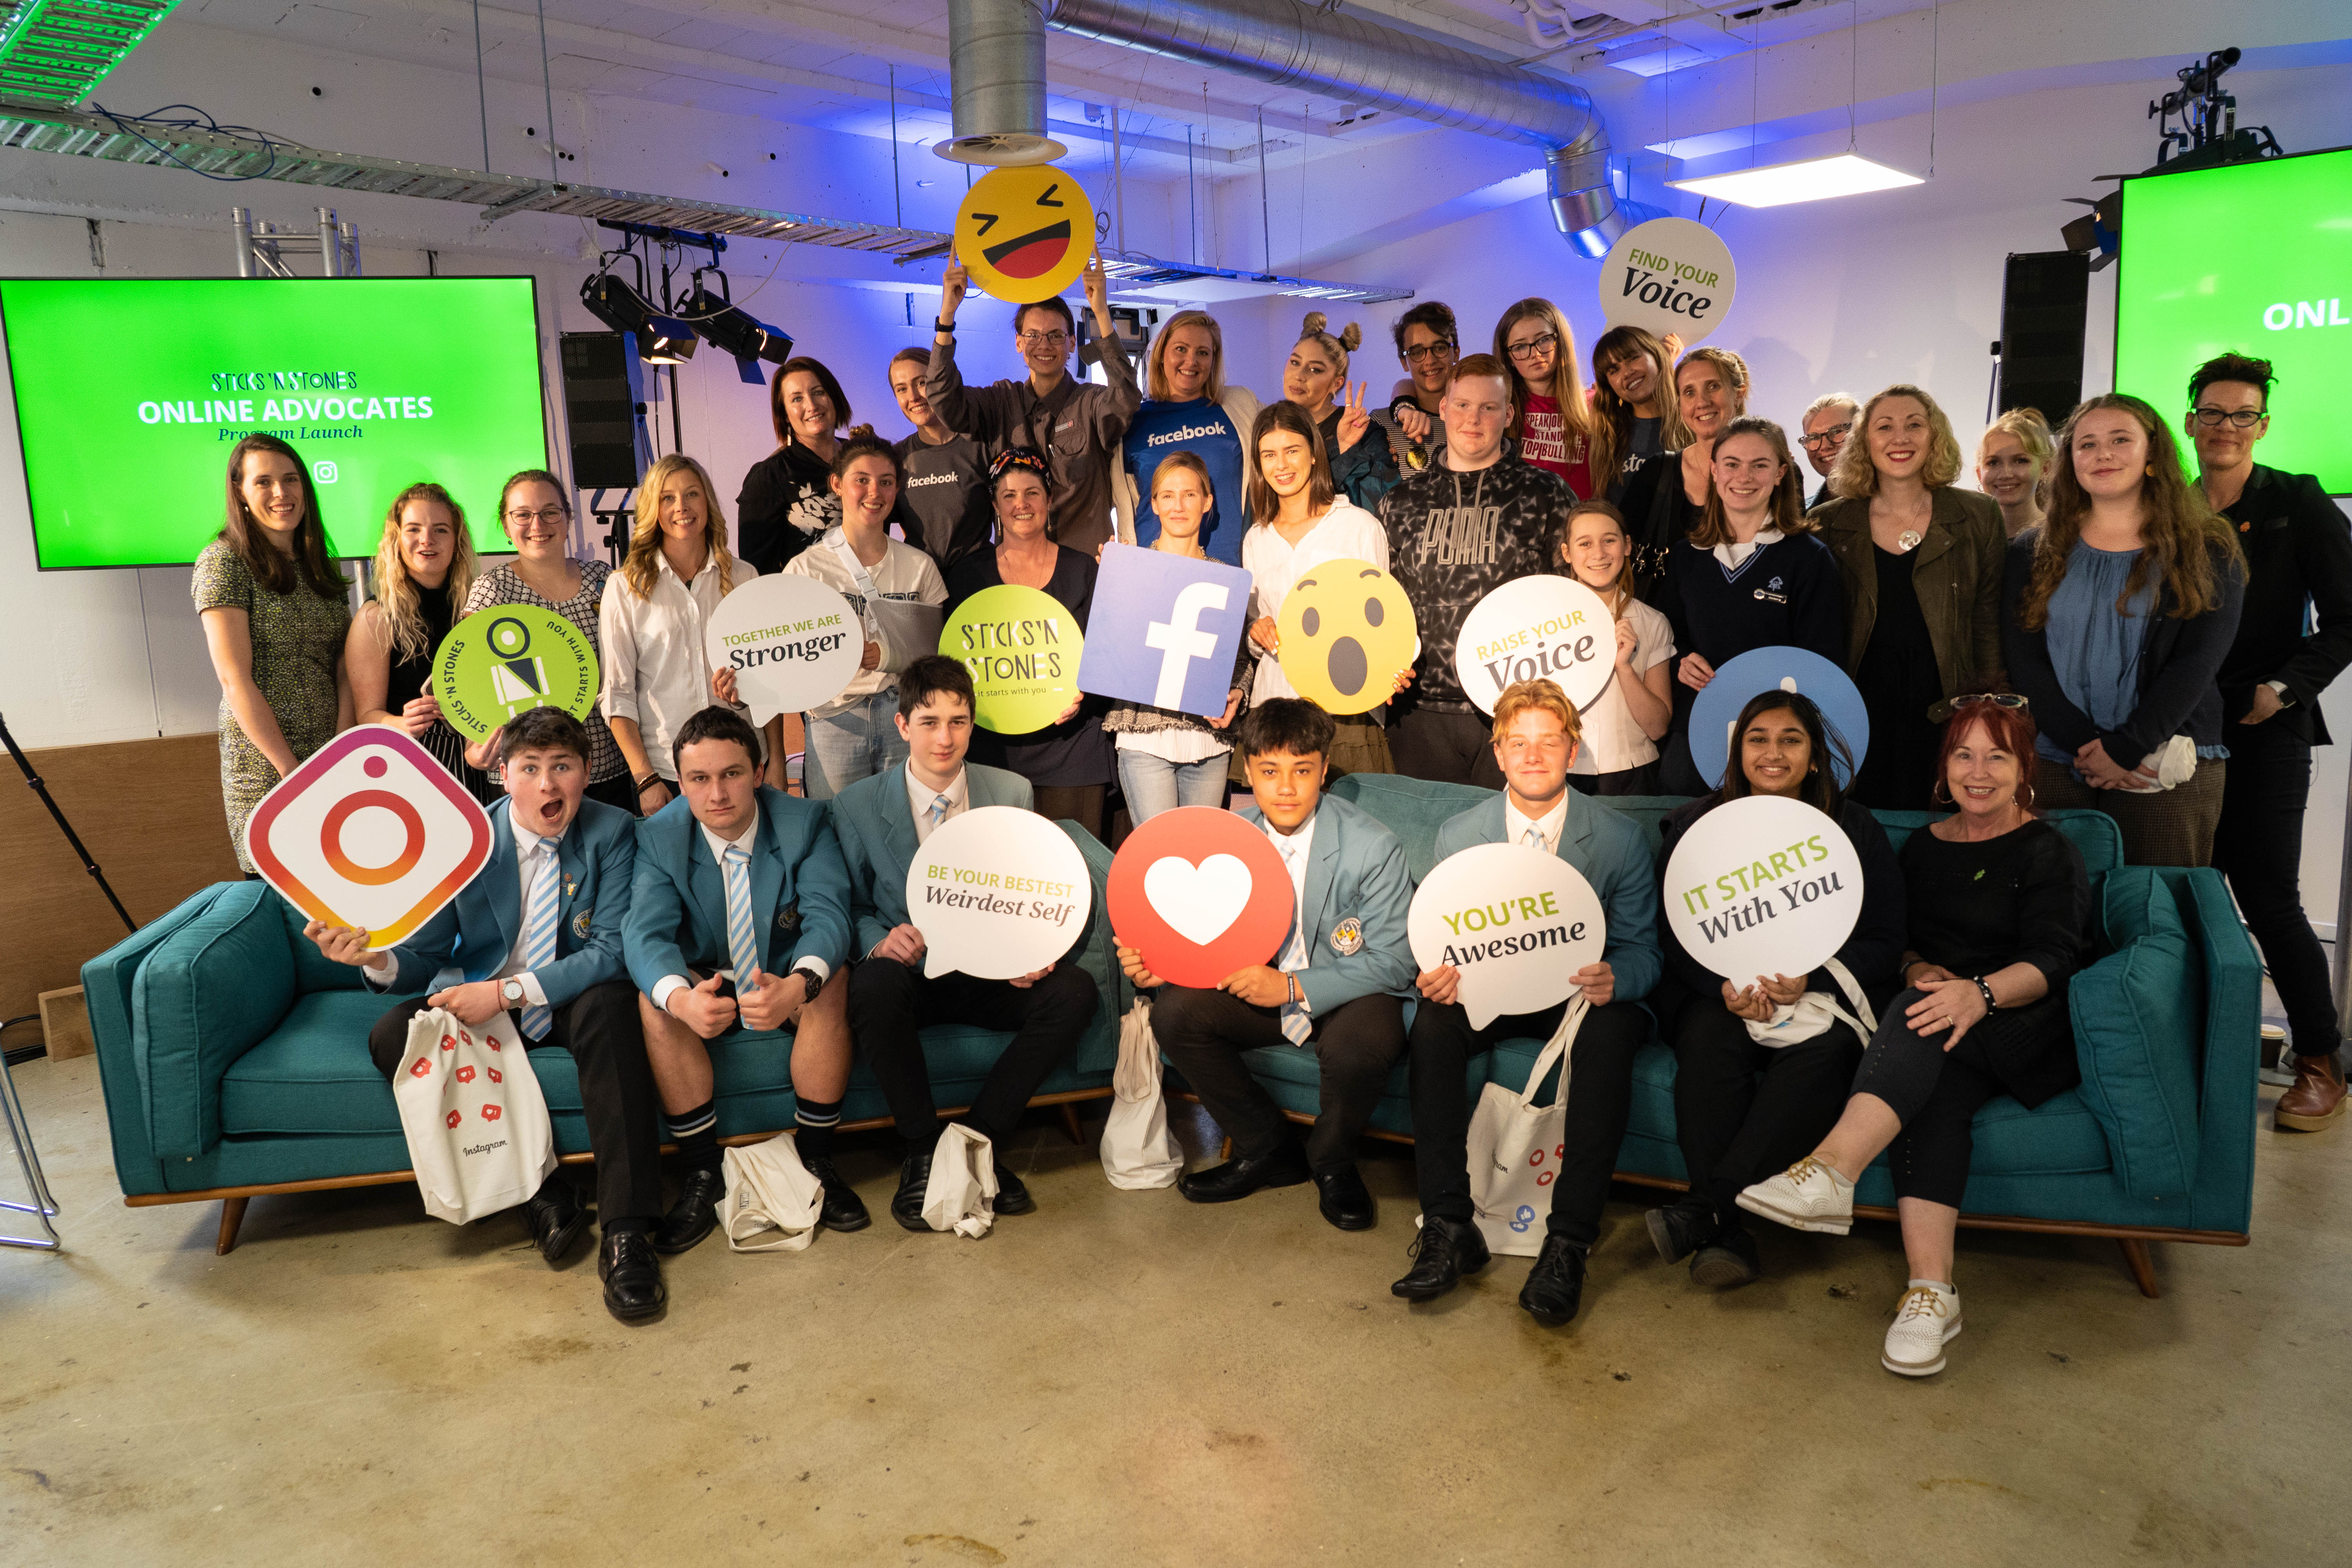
1668 275
998 893
1516 922
792 643
1763 885
510 658
1023 648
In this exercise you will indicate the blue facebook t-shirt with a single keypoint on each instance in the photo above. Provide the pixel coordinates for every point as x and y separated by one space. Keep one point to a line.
1199 428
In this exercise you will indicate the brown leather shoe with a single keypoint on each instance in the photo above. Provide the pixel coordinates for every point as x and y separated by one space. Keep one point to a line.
2317 1098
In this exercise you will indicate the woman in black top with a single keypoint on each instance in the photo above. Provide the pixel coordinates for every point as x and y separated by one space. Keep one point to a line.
1665 497
424 569
1731 1126
1067 763
787 501
1998 902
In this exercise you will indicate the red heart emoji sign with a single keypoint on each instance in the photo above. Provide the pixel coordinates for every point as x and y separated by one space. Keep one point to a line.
1200 893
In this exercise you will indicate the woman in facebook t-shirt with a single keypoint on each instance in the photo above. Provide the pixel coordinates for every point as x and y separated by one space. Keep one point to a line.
1188 407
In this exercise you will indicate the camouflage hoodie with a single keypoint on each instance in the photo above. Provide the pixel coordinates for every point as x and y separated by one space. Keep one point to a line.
1453 538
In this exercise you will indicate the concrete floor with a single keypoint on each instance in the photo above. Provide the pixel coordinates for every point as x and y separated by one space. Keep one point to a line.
1127 1378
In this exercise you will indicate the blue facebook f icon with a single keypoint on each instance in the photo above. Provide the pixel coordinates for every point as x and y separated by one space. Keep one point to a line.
1164 630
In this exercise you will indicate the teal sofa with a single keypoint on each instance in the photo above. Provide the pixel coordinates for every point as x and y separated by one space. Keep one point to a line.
234 1058
2157 1143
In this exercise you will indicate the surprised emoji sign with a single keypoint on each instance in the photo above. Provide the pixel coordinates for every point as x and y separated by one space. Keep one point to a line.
1345 634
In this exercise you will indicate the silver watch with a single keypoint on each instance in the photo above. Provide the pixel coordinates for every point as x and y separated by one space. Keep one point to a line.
510 991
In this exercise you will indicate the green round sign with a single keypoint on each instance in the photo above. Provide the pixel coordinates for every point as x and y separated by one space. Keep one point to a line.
510 658
1021 646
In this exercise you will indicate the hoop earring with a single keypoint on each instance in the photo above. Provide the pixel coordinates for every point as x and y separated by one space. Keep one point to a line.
1941 795
2028 802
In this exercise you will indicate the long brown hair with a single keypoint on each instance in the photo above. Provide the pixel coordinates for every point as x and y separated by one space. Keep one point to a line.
1854 474
643 565
1264 505
1567 387
402 627
1613 422
2179 533
1788 496
826 378
271 567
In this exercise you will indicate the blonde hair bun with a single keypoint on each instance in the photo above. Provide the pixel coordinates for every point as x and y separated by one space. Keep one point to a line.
1315 322
1352 337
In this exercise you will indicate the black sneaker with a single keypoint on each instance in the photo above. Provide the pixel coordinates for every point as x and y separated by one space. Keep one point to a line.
1728 1259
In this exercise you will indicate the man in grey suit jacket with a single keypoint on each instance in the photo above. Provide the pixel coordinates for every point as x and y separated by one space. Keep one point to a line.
538 932
1535 740
883 821
1336 987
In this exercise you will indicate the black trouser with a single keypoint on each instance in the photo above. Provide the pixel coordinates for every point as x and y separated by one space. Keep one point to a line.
1445 748
1735 1131
890 1003
2259 845
600 1028
1600 1100
1356 1045
1936 1093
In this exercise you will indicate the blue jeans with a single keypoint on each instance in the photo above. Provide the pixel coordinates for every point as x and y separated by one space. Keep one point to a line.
857 742
1154 785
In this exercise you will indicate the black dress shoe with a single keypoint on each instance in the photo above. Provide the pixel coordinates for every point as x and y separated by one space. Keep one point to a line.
1442 1254
1238 1178
556 1217
841 1208
1728 1259
1680 1230
1011 1196
634 1290
694 1215
1344 1199
1556 1284
907 1203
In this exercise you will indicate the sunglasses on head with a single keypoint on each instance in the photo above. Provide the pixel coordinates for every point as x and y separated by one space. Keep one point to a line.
1997 698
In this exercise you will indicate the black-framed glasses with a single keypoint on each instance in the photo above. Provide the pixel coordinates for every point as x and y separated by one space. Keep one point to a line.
1052 339
2237 419
1426 352
550 515
1534 346
1997 698
1835 436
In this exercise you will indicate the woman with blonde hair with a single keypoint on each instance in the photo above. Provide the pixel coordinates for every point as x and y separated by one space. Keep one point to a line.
1621 727
2014 462
2124 603
656 674
424 569
1315 378
1921 562
1186 407
1667 495
1550 417
1633 414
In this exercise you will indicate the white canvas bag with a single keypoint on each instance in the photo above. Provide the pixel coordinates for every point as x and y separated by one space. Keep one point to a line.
771 1199
962 1190
1138 1149
1812 1014
479 1136
1516 1147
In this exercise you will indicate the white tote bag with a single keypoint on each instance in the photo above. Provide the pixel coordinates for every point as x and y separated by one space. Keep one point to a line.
1516 1148
1815 1011
962 1189
1138 1149
479 1136
771 1199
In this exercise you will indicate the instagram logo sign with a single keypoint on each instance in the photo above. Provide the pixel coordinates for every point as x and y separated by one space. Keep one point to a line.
369 833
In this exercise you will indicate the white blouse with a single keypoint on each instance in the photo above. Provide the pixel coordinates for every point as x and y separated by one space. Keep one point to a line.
1346 532
1612 741
656 668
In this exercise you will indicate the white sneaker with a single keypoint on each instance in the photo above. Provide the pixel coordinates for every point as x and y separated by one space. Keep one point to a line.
1808 1196
1925 1320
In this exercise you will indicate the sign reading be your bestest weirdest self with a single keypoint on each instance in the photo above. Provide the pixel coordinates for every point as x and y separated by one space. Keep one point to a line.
997 892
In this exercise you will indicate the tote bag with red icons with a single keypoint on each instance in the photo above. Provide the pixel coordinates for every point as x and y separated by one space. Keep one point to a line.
1515 1148
479 1136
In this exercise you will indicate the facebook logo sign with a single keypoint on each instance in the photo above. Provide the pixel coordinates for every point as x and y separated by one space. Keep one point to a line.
1164 629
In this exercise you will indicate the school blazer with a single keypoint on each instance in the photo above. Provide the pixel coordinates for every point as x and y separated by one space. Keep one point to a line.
677 906
1355 870
478 929
877 825
1609 850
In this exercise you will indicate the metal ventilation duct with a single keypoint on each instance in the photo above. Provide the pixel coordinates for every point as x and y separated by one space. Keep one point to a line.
1285 43
996 53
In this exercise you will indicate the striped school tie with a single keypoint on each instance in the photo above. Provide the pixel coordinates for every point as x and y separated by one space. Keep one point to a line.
940 810
742 936
1296 1026
1532 838
539 928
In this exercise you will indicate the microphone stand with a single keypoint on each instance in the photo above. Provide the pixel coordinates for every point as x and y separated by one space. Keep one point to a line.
33 779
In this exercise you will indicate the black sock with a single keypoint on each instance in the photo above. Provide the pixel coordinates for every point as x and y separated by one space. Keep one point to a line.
697 1132
631 1225
818 1118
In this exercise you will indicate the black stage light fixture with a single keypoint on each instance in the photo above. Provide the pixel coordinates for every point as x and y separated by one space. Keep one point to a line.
734 330
661 340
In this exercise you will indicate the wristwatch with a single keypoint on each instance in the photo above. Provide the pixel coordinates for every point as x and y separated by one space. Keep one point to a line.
1985 991
510 991
810 981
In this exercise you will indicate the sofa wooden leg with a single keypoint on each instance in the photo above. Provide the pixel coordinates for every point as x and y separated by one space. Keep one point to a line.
2142 1265
1069 1109
232 1217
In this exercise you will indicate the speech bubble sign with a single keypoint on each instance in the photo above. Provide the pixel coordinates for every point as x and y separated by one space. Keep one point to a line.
998 892
1024 233
371 832
1717 708
508 660
1668 275
1023 648
793 644
1546 627
1763 885
1346 631
1516 922
1166 630
1200 893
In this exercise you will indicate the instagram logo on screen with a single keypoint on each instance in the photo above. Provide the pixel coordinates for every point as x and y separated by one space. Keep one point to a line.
369 833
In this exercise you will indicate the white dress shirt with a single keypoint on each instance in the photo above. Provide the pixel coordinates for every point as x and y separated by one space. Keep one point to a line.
657 671
1549 826
920 797
1296 849
1346 532
668 984
529 865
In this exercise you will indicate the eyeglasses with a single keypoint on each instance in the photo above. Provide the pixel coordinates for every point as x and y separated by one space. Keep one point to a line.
550 515
1053 340
1534 346
1997 698
1428 352
2237 419
1835 436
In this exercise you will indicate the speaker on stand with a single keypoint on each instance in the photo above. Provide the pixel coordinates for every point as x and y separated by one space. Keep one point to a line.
604 411
2038 362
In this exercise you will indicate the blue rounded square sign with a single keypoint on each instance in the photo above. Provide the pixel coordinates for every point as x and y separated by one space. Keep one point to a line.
1164 630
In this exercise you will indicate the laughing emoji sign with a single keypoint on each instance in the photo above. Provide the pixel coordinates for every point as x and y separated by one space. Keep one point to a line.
1024 233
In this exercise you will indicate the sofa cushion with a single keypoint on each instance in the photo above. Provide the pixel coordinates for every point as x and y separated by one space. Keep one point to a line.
1412 809
204 997
2094 833
2138 1015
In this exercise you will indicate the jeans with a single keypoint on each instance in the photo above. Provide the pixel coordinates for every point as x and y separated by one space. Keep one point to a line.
1154 785
857 742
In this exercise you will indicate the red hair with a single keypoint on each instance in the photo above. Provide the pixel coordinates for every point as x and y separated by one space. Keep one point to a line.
2010 730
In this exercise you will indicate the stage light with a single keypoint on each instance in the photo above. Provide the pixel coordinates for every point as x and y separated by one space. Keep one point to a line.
661 340
734 330
1814 180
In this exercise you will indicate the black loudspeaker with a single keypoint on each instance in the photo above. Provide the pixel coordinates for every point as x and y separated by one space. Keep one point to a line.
2043 295
600 405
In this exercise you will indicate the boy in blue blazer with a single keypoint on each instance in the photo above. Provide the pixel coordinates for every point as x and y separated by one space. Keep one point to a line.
739 918
883 821
538 932
1334 988
1535 740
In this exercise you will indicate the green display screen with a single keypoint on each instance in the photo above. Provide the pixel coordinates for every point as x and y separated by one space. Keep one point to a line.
2254 259
130 394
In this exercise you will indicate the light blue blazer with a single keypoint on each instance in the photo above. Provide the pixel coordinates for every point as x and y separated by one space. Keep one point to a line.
677 908
877 825
478 929
1356 871
1609 849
